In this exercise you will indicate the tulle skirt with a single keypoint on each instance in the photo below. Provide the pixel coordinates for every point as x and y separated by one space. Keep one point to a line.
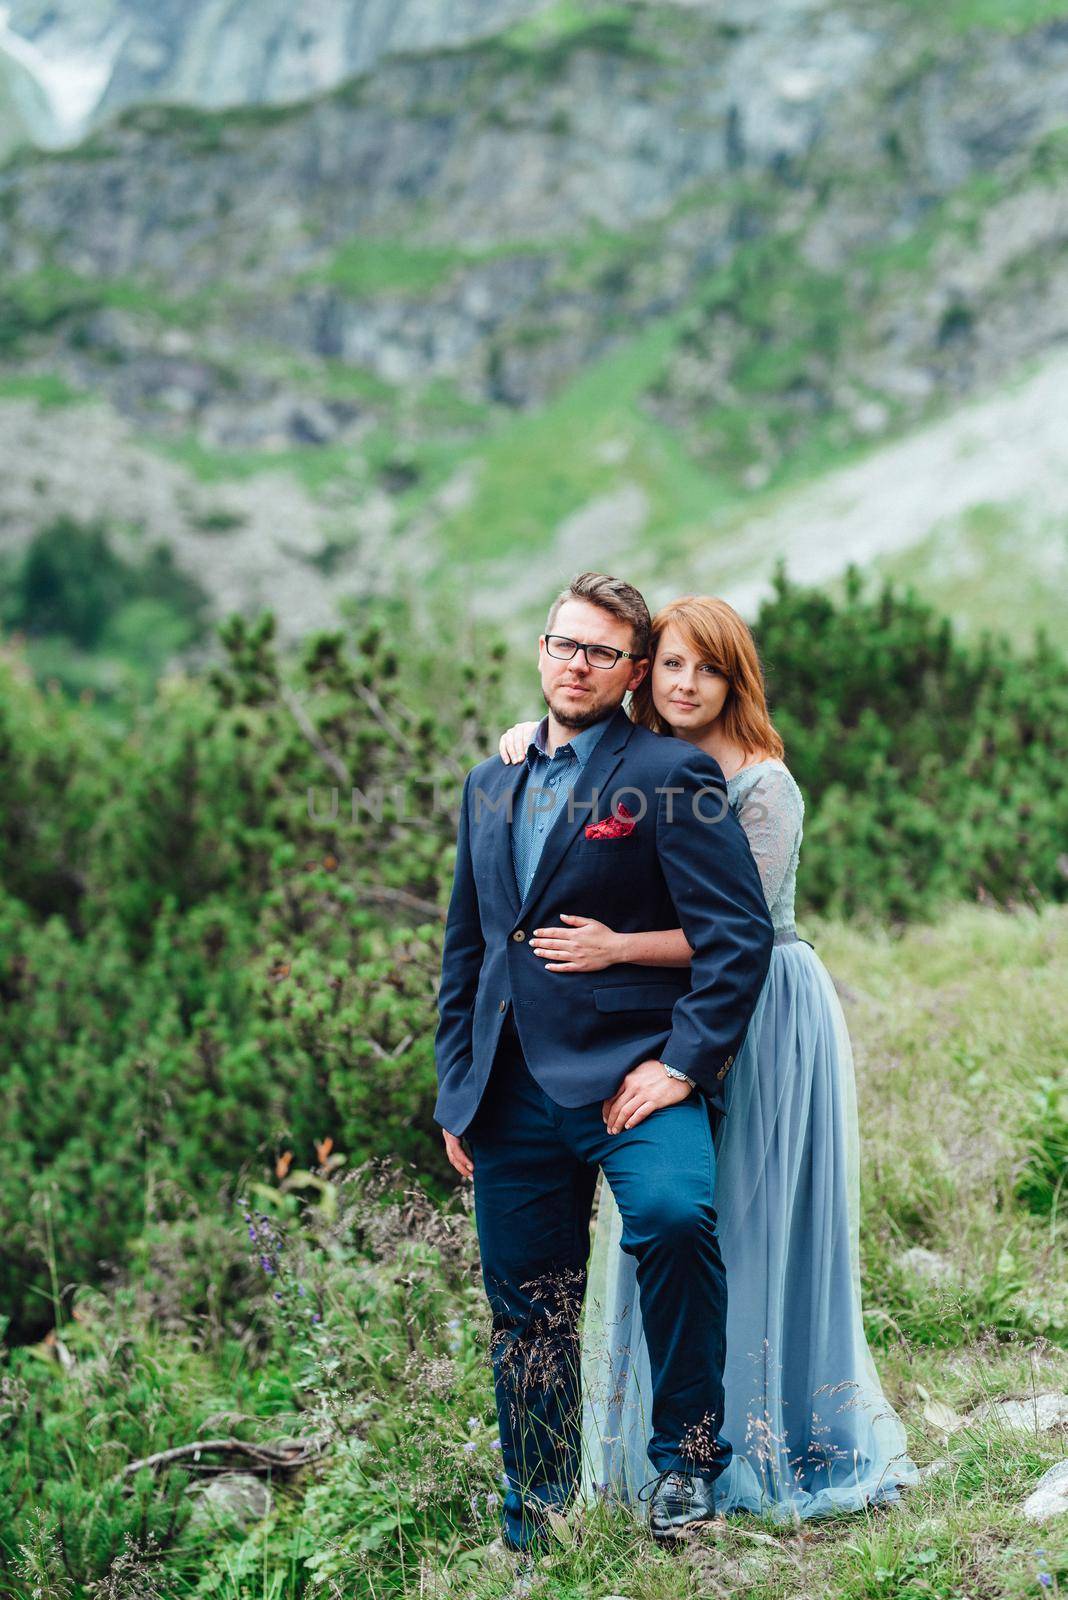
811 1430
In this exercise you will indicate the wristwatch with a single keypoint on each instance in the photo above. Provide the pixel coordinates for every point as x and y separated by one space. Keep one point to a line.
673 1072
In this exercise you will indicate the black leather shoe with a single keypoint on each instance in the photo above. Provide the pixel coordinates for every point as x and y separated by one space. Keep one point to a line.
678 1504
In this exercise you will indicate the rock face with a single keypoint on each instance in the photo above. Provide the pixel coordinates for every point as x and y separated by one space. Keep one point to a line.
569 194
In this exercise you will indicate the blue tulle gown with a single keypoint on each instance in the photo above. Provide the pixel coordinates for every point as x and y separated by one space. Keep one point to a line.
811 1429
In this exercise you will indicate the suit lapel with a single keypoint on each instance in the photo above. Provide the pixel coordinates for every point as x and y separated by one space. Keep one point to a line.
500 821
595 776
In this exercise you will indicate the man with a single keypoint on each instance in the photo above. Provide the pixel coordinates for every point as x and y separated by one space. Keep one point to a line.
552 1075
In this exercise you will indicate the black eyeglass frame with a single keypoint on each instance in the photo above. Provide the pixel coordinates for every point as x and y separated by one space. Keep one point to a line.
597 666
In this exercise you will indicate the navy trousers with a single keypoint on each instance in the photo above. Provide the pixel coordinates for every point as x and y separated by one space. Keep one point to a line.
535 1173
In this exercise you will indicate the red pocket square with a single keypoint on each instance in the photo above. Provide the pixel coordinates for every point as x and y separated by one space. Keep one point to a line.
617 826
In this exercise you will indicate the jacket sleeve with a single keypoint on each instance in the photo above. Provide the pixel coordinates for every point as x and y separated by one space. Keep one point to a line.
461 958
715 886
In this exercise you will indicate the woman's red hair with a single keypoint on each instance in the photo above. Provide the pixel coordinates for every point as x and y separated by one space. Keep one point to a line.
719 636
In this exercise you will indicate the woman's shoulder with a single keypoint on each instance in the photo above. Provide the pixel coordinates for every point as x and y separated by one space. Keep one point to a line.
772 777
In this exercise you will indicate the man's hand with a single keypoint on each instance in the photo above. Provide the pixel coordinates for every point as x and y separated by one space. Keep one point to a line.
645 1089
458 1156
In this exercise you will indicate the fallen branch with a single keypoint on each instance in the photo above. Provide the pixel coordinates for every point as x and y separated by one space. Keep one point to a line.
402 897
260 1457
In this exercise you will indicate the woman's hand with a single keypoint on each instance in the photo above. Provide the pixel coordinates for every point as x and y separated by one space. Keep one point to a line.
585 946
514 741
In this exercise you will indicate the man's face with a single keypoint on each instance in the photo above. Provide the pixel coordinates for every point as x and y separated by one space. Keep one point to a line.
576 693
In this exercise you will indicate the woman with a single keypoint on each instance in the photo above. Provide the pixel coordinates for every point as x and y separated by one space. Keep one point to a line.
811 1429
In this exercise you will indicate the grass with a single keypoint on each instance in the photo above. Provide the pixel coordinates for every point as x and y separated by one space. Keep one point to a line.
370 1326
1001 16
47 388
538 468
39 301
366 266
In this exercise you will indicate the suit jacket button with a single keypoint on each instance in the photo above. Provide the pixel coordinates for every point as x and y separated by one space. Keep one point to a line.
519 936
503 1005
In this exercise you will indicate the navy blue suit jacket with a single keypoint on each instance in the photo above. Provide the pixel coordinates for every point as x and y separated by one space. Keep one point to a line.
581 1033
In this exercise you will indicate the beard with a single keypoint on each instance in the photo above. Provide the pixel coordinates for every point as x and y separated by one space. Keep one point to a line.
571 717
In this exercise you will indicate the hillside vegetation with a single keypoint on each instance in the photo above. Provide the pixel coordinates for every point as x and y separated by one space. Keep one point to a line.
220 925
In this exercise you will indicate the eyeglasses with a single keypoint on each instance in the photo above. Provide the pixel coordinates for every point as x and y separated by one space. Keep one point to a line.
597 655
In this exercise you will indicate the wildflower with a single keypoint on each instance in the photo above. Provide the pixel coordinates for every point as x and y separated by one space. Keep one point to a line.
493 1500
496 1445
469 1446
1045 1579
265 1263
472 1424
278 1294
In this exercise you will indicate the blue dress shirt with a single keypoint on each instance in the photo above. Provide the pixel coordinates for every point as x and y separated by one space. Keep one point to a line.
543 792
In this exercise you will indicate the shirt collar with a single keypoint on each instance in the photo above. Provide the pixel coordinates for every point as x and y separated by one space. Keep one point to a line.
579 747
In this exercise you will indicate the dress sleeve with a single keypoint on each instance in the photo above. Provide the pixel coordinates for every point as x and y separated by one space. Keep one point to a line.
771 812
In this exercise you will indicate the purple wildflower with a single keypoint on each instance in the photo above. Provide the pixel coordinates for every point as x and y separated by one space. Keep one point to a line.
469 1446
265 1263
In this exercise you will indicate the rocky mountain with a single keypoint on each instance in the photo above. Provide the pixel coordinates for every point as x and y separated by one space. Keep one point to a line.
618 281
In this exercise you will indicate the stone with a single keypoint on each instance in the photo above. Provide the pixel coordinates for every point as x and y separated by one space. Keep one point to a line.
233 1498
927 1264
1049 1498
1039 1413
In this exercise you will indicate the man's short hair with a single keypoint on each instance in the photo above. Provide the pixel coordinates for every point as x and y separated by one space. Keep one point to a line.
621 599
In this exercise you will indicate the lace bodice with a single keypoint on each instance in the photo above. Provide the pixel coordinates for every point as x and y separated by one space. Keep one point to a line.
769 806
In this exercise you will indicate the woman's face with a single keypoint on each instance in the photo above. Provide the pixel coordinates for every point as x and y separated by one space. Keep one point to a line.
688 692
